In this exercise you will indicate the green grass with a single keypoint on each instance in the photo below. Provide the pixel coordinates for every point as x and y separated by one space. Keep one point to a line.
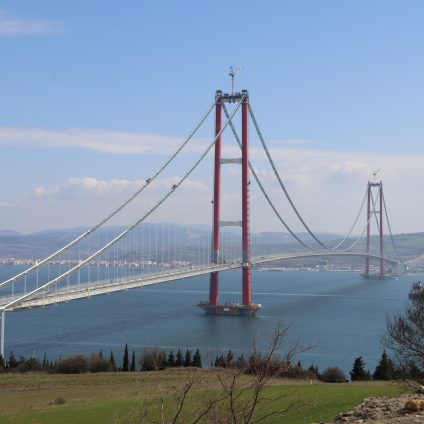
102 398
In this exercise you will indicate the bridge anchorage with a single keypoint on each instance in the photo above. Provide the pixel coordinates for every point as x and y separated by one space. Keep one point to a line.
247 307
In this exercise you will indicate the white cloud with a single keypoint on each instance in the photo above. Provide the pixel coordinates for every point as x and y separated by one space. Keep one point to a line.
99 140
12 26
5 204
327 186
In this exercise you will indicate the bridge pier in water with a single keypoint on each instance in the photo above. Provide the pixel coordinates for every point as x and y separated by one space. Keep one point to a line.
213 307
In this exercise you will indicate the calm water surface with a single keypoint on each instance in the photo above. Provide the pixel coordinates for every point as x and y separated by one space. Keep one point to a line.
339 312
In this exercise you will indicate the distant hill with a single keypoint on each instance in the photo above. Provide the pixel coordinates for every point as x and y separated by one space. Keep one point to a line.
40 244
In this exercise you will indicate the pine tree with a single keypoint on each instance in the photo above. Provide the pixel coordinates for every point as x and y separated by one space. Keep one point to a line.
101 355
132 367
187 358
197 360
179 359
112 361
241 362
385 368
171 359
1 363
13 363
229 359
125 366
219 361
358 372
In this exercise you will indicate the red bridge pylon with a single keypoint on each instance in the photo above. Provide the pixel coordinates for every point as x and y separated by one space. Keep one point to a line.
371 210
213 306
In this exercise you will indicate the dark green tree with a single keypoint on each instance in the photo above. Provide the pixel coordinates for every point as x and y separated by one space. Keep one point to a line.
358 372
241 362
385 369
100 354
45 362
112 361
187 358
179 361
197 359
229 359
132 367
13 363
164 361
125 363
1 363
171 359
219 361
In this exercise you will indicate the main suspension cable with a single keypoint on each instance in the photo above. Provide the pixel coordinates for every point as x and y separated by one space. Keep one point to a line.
305 225
390 230
130 228
119 208
366 225
264 191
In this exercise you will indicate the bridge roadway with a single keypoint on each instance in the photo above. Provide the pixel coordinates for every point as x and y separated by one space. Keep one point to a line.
89 289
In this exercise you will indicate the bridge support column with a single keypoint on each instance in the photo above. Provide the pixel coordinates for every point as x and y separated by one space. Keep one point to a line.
371 210
381 232
2 326
247 288
367 259
214 277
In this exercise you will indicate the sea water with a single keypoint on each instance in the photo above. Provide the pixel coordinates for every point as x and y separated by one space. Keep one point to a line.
339 314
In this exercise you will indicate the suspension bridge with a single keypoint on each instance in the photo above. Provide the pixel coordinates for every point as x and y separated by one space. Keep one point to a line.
108 257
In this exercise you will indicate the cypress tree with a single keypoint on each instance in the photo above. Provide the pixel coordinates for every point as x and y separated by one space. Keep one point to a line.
385 368
187 358
179 359
171 359
112 361
44 361
358 372
132 367
101 355
197 360
125 366
1 362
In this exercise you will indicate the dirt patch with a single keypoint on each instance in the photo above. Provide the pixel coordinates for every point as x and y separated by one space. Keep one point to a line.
405 408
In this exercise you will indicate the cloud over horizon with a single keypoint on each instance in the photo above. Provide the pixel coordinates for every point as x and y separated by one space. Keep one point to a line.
14 26
327 186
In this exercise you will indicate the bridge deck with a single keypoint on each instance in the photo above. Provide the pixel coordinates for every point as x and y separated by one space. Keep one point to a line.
85 290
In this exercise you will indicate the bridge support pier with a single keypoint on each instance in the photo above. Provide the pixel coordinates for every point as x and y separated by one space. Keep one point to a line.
2 327
214 277
212 306
379 219
246 280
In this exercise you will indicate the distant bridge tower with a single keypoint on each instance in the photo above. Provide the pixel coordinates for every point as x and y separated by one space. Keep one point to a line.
213 306
371 210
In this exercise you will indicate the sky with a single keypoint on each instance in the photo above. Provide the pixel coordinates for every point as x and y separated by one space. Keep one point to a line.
95 95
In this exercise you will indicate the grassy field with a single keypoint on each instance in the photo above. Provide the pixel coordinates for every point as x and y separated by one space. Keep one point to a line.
110 397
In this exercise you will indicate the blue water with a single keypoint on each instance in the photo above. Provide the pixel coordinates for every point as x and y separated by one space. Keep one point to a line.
338 312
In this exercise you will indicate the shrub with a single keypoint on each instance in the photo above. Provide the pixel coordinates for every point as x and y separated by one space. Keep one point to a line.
73 364
152 359
99 364
333 375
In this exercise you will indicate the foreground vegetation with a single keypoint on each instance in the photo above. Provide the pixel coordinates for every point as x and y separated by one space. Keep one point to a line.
114 397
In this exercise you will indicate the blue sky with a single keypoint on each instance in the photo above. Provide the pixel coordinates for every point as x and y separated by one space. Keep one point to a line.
338 83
